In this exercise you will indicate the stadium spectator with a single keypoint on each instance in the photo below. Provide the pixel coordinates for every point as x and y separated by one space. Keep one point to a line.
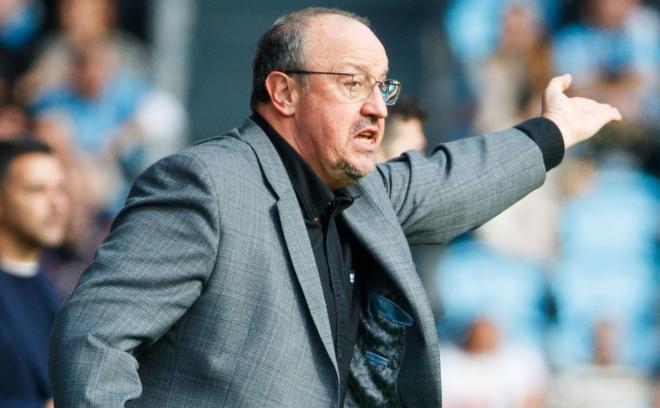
601 382
82 23
510 81
95 112
489 371
14 121
475 280
107 125
607 267
613 52
20 31
33 215
403 130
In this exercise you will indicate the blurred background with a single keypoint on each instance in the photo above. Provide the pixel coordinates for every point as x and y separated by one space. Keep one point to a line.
553 303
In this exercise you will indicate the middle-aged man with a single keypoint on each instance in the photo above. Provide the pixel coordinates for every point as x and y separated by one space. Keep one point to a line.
269 266
33 215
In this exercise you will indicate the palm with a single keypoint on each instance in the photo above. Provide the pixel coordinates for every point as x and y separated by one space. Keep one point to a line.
577 118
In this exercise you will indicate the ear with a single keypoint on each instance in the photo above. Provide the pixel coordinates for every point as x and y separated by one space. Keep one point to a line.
283 91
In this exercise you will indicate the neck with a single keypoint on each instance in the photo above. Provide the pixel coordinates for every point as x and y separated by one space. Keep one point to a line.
282 126
16 249
18 268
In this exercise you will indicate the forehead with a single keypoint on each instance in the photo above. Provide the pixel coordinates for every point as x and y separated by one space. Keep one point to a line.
33 168
341 43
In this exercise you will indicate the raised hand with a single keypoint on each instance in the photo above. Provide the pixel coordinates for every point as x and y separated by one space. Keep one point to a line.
577 118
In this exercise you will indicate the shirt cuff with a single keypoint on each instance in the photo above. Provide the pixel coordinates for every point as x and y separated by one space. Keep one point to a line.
548 137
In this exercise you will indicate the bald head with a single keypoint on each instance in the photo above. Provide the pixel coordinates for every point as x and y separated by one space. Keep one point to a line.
333 39
281 47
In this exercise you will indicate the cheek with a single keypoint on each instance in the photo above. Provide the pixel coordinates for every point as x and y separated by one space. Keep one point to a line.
20 218
336 136
33 210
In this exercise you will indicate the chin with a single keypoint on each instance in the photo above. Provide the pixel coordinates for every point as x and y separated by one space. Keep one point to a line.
356 171
51 240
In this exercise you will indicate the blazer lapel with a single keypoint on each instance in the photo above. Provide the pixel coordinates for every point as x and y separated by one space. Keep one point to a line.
294 230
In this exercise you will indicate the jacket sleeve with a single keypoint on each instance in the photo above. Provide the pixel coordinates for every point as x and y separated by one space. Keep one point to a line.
462 184
147 273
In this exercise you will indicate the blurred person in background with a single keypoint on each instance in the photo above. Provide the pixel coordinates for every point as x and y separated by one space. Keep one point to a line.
607 263
14 121
33 215
487 370
94 111
111 120
499 51
20 32
474 27
511 80
475 279
494 312
603 381
404 130
82 23
613 52
107 125
89 184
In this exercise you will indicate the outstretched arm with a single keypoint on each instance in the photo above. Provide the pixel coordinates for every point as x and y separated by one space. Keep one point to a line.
467 182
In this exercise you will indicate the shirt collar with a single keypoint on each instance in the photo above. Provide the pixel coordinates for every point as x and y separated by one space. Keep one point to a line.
314 195
22 269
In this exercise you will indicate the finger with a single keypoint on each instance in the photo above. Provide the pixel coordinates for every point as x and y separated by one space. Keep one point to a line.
608 111
559 84
614 112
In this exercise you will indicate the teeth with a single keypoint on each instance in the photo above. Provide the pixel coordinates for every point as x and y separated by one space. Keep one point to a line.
366 138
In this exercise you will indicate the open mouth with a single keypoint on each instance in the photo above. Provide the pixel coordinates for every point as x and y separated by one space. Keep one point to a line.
366 139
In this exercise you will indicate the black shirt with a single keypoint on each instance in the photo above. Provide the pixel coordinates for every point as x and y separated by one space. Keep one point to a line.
333 245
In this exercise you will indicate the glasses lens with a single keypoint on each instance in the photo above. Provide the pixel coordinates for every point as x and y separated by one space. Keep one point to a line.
361 87
390 90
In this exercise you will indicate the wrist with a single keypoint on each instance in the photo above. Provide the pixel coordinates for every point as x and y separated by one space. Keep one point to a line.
565 130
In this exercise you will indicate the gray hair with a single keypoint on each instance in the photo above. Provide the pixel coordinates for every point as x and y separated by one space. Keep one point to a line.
280 48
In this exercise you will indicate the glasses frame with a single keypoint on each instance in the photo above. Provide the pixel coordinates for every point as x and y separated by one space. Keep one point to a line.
383 86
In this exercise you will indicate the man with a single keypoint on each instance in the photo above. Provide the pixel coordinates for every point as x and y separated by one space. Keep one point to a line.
266 267
403 130
33 215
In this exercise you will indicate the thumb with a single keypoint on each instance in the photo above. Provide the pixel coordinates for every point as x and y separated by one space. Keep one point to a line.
559 84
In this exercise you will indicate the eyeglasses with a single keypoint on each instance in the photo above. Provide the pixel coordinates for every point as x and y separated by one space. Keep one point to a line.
360 86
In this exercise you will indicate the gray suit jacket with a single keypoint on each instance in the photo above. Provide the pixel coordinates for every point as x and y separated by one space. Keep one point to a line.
206 292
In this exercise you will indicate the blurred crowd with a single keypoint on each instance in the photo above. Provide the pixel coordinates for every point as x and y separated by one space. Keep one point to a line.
555 301
76 76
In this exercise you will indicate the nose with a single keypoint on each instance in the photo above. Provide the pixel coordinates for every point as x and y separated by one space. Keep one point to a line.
374 105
